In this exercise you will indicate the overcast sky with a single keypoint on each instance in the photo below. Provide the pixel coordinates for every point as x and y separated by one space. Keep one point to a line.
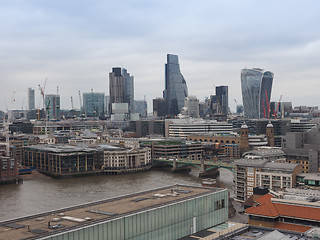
76 43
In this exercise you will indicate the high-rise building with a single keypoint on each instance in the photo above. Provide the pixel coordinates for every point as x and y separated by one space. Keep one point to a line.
191 107
141 107
52 103
121 87
256 87
159 107
31 105
93 104
129 89
222 97
175 86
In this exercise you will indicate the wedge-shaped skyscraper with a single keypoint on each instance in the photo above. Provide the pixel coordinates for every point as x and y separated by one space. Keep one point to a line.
256 87
176 87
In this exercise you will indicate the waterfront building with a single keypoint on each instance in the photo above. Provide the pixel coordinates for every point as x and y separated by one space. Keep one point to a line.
256 87
175 86
166 213
123 158
177 149
61 160
93 104
31 99
222 98
8 170
52 103
252 173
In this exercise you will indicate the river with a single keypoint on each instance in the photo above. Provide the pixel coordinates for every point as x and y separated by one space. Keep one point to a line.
40 195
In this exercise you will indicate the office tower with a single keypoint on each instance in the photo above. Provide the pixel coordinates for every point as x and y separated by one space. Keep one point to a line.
93 104
159 107
141 107
222 98
175 86
256 87
191 107
31 105
121 88
129 89
52 104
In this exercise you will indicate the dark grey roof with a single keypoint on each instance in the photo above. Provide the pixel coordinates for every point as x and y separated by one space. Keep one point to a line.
251 162
280 166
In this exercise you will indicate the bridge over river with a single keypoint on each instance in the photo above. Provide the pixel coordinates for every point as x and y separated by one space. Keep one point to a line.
205 166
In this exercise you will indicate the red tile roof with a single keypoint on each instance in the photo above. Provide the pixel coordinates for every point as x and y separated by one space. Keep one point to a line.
265 198
271 209
291 227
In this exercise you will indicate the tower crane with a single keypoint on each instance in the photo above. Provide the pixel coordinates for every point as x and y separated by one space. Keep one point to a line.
42 93
7 127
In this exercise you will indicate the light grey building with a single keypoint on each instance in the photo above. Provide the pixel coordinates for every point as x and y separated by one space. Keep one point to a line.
175 86
31 105
256 87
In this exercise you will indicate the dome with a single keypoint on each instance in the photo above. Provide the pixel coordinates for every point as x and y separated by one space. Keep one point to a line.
244 125
269 125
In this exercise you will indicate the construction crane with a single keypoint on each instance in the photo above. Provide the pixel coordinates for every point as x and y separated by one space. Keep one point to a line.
7 126
42 93
276 110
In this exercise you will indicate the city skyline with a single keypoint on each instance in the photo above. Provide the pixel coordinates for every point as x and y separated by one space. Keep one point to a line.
213 40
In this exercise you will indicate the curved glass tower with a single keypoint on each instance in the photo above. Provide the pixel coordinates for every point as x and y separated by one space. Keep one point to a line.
176 87
256 87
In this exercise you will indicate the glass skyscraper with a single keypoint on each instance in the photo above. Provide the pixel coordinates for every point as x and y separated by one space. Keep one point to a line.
52 103
256 87
222 97
175 86
93 104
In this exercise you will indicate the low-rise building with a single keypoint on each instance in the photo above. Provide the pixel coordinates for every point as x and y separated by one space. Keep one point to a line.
252 173
294 215
123 158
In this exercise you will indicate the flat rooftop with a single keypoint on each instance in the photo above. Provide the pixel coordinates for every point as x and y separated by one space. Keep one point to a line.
62 220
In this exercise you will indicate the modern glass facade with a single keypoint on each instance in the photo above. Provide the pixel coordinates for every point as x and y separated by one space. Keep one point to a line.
52 103
175 86
256 87
93 104
167 222
222 96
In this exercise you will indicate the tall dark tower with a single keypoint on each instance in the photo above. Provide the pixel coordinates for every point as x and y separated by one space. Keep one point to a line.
175 86
121 87
222 97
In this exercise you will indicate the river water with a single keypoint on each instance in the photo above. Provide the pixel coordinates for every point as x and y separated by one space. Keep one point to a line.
41 195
